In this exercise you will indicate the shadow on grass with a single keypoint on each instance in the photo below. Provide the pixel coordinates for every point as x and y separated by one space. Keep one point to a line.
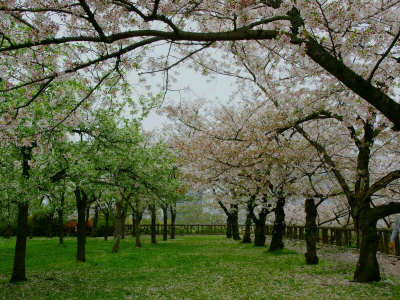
282 251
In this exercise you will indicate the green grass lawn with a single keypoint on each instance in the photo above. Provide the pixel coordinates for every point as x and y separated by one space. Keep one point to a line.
190 267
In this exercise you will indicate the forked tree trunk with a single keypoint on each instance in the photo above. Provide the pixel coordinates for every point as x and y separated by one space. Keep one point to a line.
81 199
32 227
152 208
19 273
95 220
247 230
235 225
367 269
117 228
107 216
259 223
173 217
279 226
60 227
165 215
311 231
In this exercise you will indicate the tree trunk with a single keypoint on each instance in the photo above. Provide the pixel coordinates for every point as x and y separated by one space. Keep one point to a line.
247 231
133 224
279 226
95 220
49 231
367 269
173 217
153 223
165 215
259 234
235 226
19 273
8 232
229 226
32 227
117 228
123 225
137 228
60 227
81 198
311 232
107 215
87 220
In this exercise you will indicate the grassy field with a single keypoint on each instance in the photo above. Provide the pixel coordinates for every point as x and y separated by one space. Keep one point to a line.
191 267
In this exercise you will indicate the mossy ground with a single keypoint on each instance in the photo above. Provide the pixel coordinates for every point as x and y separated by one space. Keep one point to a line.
190 267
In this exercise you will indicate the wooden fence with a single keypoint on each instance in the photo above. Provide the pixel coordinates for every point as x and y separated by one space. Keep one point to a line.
339 236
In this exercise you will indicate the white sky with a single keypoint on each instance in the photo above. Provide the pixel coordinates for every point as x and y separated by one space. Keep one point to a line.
218 90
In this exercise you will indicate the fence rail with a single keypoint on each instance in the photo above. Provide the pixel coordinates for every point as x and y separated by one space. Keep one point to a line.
339 236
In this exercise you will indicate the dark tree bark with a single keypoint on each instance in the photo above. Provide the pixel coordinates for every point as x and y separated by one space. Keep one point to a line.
235 225
229 227
60 227
19 273
87 216
95 220
32 227
247 230
117 228
107 216
152 208
311 232
81 200
228 220
173 217
138 218
123 225
8 232
367 268
165 225
133 224
259 223
279 226
49 231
